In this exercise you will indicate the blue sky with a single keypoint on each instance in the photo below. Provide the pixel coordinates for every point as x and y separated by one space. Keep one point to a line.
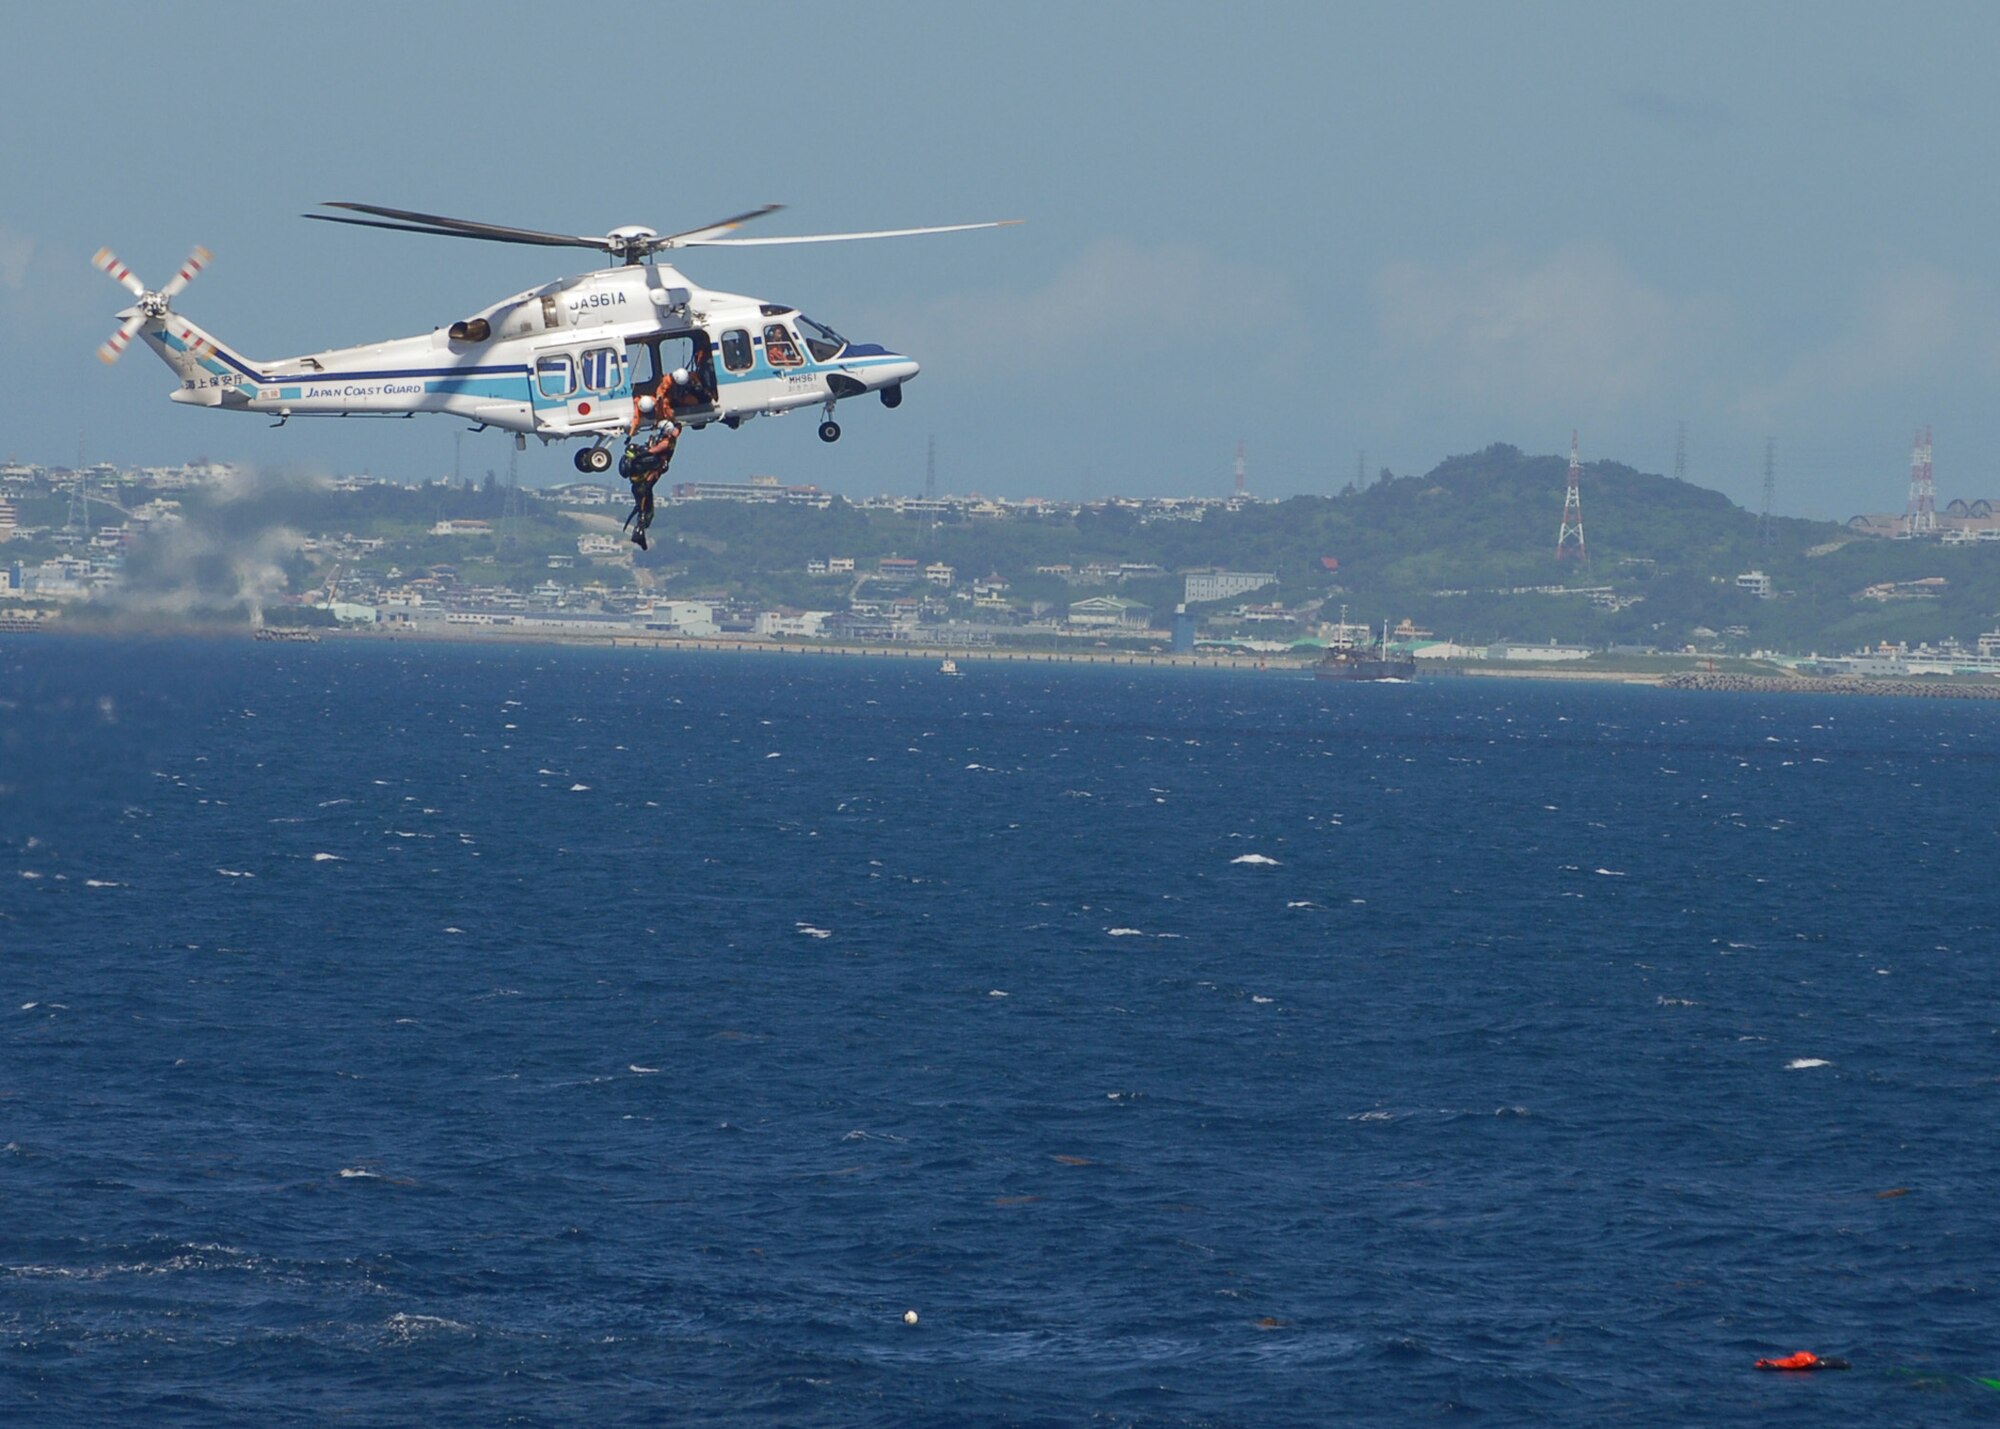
1323 229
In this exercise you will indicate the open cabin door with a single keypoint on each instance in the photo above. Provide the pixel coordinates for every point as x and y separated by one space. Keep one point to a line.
581 386
655 355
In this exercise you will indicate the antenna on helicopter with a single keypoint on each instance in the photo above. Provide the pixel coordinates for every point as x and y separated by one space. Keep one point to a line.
630 243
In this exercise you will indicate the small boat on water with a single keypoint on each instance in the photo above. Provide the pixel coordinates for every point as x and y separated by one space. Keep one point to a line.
949 666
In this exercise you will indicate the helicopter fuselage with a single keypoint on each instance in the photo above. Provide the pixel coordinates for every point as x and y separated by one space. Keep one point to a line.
565 360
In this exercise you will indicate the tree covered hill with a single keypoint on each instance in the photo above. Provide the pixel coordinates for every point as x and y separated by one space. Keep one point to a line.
1448 549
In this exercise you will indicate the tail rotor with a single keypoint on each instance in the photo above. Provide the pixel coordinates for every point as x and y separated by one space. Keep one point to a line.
150 304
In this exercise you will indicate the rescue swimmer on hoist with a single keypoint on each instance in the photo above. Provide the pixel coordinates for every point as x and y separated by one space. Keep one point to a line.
647 457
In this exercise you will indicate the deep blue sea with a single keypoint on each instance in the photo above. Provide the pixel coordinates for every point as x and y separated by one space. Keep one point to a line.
400 1033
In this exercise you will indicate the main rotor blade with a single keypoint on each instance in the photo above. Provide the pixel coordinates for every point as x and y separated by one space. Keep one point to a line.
549 242
711 231
835 237
466 228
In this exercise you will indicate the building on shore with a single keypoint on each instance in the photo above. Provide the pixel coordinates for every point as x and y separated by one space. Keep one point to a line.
1221 585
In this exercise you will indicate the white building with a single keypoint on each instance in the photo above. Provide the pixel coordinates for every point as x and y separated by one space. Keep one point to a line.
799 624
462 528
1221 585
1756 582
684 617
1548 652
1112 610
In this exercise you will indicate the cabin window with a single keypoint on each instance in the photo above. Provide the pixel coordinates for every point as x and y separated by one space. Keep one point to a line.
779 349
555 375
736 354
822 342
603 369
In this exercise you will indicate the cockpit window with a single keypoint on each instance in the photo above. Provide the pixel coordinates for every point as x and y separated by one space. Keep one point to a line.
779 349
822 342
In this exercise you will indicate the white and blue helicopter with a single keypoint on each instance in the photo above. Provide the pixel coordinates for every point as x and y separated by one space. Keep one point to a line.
572 359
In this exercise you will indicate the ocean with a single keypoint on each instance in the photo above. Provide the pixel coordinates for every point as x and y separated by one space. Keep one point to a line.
464 1035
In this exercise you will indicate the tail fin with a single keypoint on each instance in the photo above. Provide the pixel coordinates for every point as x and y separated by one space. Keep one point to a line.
211 373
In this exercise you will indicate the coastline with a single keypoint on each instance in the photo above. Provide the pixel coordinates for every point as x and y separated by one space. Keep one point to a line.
752 645
1707 681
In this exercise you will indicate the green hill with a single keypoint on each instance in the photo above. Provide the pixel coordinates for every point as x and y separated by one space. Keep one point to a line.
1449 549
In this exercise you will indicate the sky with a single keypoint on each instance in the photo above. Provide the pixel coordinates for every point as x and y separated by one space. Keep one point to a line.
1320 229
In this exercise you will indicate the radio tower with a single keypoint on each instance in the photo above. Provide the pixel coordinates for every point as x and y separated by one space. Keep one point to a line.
1240 471
510 504
1922 517
1680 451
930 470
1766 535
1572 522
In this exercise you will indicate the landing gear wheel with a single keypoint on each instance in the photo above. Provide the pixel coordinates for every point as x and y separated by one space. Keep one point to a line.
582 461
596 459
829 431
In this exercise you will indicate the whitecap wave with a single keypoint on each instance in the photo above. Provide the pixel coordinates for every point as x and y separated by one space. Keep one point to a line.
328 858
1124 932
1257 858
234 873
579 788
808 930
638 1070
1801 1064
101 883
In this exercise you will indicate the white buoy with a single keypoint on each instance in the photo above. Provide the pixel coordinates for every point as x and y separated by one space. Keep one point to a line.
909 1317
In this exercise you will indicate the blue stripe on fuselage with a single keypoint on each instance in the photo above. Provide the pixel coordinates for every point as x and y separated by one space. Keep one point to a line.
261 380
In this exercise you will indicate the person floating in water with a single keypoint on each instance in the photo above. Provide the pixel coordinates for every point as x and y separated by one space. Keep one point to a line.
1803 1361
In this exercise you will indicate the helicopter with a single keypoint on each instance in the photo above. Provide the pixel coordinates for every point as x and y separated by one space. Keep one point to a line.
575 359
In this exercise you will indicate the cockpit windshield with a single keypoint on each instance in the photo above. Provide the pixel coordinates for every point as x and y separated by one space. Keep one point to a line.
824 343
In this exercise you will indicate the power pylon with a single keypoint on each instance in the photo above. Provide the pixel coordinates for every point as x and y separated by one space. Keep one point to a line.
1572 522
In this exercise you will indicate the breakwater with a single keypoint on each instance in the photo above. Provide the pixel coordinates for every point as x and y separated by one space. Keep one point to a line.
1806 684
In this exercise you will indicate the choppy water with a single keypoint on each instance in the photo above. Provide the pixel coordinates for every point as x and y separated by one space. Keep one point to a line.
402 1032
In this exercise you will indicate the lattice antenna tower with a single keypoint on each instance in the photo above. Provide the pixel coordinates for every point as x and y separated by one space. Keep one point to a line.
1569 537
1241 471
930 470
1767 535
1680 451
1922 517
78 521
510 505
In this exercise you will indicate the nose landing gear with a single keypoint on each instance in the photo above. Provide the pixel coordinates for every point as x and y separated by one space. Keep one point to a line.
829 430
